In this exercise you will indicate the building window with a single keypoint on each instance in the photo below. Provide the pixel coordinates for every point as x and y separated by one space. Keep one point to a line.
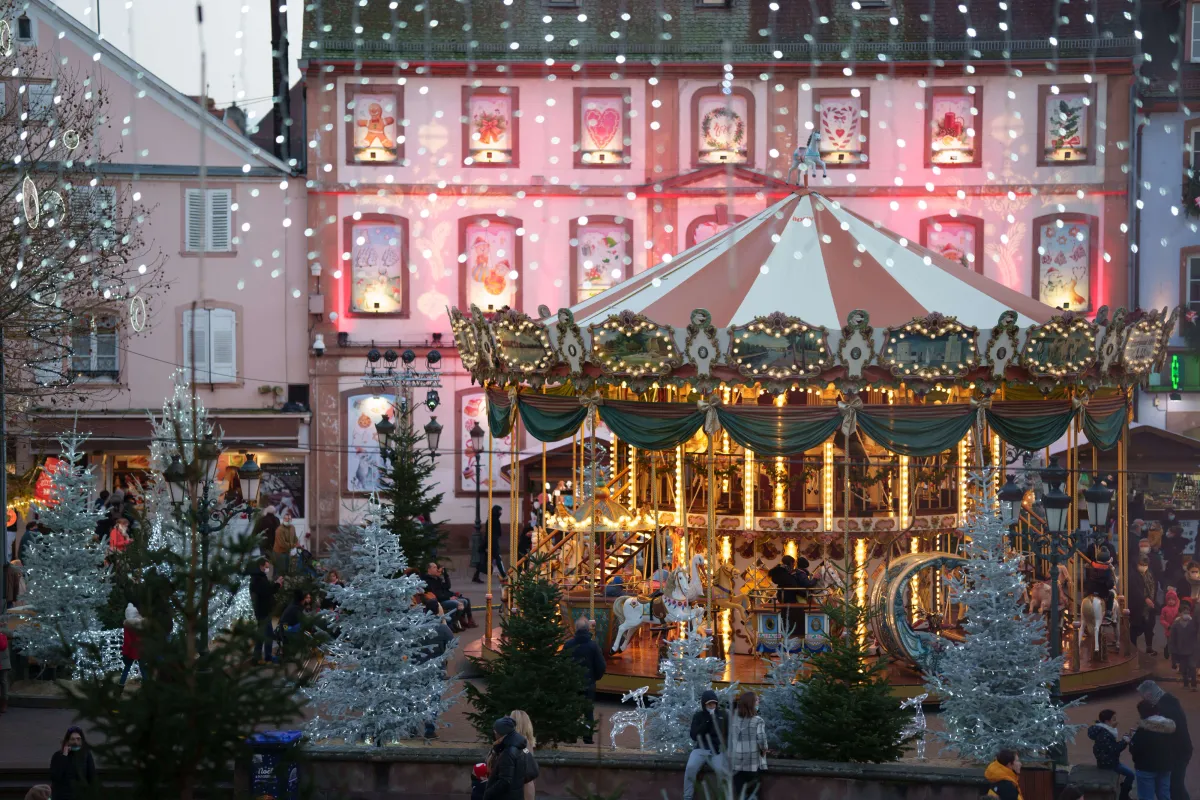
40 102
1067 125
490 275
1189 278
602 132
1064 260
210 344
374 115
709 225
208 220
958 238
723 126
377 245
841 116
3 99
1194 32
490 126
93 216
94 350
24 29
950 116
600 254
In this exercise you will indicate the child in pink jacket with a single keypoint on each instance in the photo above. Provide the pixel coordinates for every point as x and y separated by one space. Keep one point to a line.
1170 611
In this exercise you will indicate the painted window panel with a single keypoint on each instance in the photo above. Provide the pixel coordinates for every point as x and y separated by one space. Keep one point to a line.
952 127
602 130
472 410
491 261
954 240
602 258
375 127
364 460
724 129
1066 134
1064 271
377 281
490 128
842 129
1193 283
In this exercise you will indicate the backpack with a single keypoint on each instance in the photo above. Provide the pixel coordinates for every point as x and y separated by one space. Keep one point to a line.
531 767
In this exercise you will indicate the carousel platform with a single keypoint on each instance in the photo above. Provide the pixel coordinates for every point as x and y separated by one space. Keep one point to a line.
638 666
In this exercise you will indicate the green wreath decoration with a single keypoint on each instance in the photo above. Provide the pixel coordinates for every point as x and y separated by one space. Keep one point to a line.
739 127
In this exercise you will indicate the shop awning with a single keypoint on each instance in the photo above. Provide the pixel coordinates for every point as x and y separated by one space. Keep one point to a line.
111 432
1151 449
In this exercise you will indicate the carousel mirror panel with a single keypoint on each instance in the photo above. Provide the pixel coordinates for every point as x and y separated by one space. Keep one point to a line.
1066 345
779 346
629 344
930 348
521 343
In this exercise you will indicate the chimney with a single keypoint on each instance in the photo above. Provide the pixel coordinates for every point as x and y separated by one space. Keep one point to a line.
281 114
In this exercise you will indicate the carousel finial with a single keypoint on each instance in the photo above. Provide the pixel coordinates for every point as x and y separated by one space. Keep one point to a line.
806 160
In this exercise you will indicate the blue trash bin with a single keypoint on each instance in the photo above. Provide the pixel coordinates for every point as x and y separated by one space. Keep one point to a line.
267 781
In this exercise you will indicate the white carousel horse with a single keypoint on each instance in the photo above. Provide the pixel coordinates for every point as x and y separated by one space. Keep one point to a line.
808 159
1039 595
631 612
630 719
726 596
1091 612
828 578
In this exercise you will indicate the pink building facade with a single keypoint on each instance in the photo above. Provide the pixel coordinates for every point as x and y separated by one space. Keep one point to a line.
233 255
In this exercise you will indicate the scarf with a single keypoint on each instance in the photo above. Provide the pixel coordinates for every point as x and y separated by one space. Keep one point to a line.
996 772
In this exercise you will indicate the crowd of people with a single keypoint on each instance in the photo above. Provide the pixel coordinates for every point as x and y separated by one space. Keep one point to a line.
1160 746
1163 592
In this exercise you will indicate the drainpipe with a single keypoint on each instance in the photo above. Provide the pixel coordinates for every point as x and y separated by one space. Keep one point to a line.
1135 214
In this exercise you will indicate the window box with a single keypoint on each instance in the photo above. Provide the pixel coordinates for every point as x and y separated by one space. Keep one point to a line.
378 265
492 250
1064 260
958 238
601 254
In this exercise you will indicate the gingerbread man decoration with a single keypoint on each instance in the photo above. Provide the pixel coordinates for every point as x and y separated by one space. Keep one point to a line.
376 125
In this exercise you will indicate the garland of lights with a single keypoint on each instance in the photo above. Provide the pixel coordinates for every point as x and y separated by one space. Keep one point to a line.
1062 328
779 326
931 328
513 333
622 328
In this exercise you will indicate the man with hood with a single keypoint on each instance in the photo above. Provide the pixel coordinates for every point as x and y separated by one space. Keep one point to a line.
1152 746
586 653
709 730
1167 705
506 762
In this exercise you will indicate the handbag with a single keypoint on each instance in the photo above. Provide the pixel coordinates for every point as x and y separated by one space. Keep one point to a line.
531 767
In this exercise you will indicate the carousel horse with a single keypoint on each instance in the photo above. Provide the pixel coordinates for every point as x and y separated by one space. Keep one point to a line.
691 582
630 719
1039 595
726 596
673 606
1091 612
808 159
828 579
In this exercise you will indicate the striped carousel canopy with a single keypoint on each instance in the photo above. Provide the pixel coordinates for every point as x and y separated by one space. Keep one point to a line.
817 260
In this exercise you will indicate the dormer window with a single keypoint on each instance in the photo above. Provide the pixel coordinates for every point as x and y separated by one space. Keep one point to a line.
24 29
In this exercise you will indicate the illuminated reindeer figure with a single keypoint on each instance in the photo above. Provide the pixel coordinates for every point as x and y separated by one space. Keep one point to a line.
806 160
916 729
630 719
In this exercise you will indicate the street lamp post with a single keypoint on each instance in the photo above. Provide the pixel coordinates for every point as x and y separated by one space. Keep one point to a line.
1057 504
476 434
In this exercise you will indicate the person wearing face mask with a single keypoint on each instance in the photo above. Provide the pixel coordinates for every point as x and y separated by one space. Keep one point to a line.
1143 612
72 769
709 732
1173 545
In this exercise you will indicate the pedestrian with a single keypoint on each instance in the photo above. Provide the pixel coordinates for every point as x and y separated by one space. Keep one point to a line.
101 500
1150 745
586 653
506 762
525 728
264 530
1003 776
478 554
27 539
293 613
5 663
1167 705
1170 611
285 543
262 596
747 746
708 731
1099 579
131 641
118 536
1173 546
1143 591
1107 746
496 532
1182 641
72 769
525 541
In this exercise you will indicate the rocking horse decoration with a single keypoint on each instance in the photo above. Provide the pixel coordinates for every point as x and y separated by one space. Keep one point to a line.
806 160
673 606
635 719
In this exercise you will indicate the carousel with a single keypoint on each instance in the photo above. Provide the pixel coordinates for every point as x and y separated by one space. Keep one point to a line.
805 384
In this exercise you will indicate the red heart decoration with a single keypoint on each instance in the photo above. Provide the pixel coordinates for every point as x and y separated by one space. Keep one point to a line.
840 132
602 125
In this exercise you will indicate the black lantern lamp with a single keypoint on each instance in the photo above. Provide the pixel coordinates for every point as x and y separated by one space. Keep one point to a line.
1011 496
207 456
385 428
433 435
1098 498
176 478
476 434
1056 501
250 474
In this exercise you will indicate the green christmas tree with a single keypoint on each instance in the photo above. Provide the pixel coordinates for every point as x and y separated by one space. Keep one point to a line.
845 710
531 671
408 502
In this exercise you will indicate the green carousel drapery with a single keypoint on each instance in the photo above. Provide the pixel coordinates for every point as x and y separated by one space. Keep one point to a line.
770 431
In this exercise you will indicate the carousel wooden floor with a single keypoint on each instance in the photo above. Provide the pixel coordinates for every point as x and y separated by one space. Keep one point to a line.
638 666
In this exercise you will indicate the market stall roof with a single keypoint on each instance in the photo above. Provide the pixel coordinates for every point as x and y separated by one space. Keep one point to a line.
1151 449
816 259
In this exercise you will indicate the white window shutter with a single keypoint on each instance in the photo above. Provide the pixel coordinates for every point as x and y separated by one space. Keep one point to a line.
223 330
219 220
196 343
194 221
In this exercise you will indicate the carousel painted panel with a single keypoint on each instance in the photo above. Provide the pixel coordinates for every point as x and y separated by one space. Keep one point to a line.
522 344
930 348
629 344
1140 349
1066 345
779 347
